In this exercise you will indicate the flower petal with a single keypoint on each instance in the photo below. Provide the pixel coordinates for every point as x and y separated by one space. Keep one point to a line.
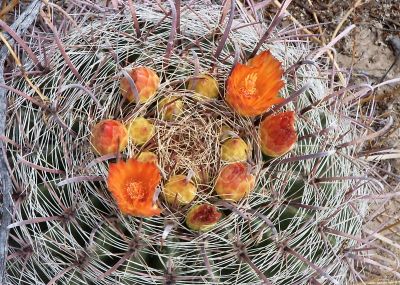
133 184
253 88
263 57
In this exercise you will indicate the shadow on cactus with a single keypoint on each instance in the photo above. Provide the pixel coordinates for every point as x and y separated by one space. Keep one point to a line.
226 164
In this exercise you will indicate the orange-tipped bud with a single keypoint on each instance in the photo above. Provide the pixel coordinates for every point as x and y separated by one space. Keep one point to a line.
205 85
202 217
170 108
140 130
234 181
148 156
146 82
277 134
234 149
109 136
179 190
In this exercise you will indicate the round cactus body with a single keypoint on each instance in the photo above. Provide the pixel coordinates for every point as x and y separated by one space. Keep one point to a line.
293 220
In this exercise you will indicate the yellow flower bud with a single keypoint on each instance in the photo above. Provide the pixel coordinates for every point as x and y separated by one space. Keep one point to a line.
233 150
170 108
147 156
140 130
179 189
146 82
109 136
234 182
205 85
202 217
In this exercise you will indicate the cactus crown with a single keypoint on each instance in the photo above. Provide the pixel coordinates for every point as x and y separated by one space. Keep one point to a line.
291 229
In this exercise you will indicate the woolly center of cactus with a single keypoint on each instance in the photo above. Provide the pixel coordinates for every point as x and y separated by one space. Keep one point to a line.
191 143
188 142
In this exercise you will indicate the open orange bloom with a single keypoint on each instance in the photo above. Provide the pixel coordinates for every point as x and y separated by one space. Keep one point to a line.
133 184
253 88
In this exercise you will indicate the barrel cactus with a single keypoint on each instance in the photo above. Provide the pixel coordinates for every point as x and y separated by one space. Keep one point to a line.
294 223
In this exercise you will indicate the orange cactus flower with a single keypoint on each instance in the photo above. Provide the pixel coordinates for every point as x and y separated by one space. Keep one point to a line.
277 134
133 184
253 88
146 82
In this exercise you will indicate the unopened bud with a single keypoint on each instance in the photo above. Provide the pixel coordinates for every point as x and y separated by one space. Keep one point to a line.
109 136
146 82
202 217
140 130
147 156
170 108
205 85
234 149
277 134
234 181
180 190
